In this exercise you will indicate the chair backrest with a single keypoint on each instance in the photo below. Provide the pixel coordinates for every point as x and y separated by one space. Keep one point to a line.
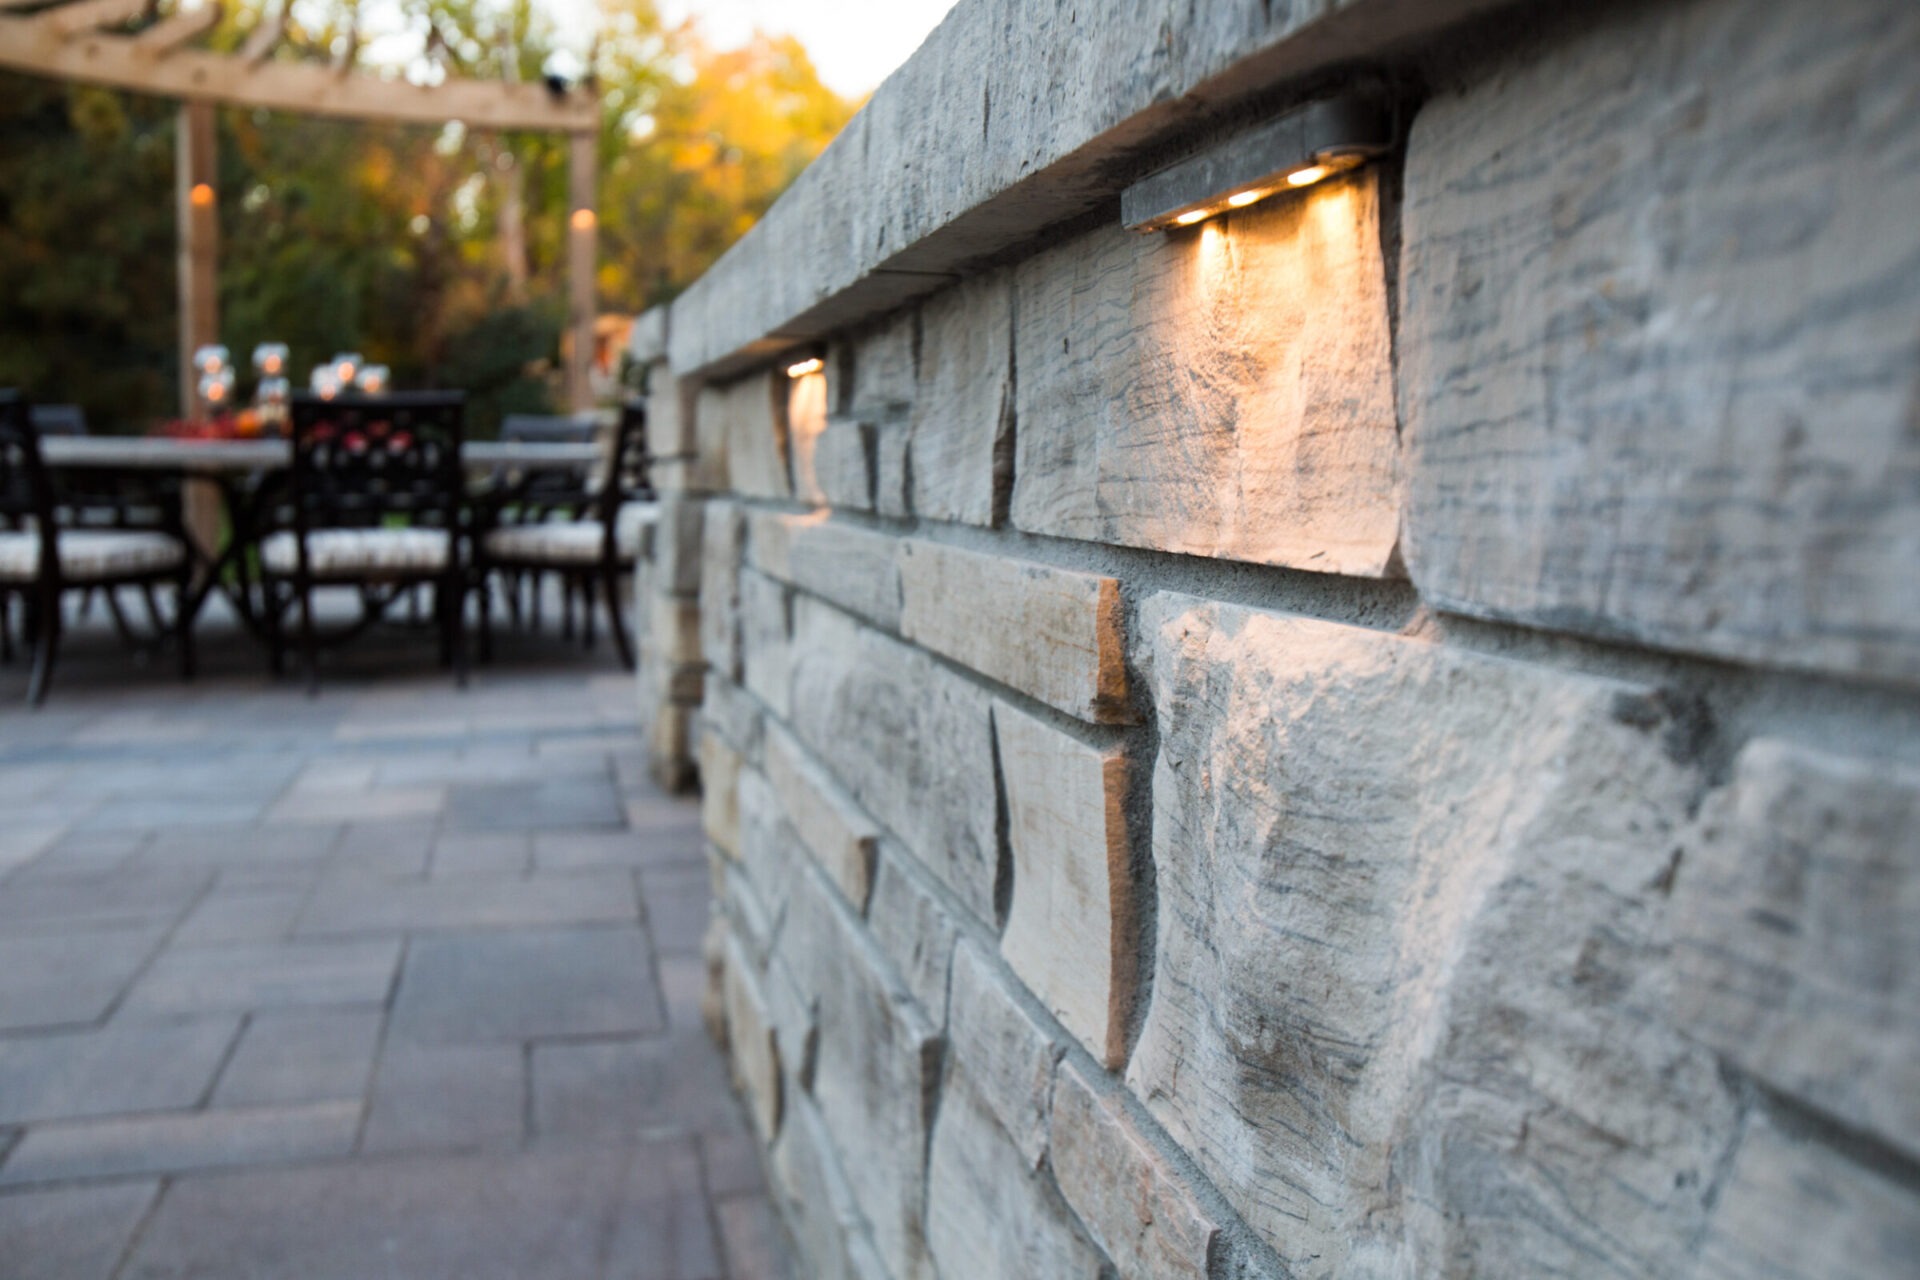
544 428
26 491
358 460
626 478
58 419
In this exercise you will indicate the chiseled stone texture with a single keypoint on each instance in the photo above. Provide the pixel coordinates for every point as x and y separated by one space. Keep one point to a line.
1133 1202
677 544
842 465
1054 634
1797 918
1221 391
990 1217
913 929
1071 932
1007 1052
723 541
842 563
1411 961
765 640
912 741
1793 1209
881 372
750 1043
767 849
962 415
1658 359
747 421
720 793
841 838
875 1068
827 1229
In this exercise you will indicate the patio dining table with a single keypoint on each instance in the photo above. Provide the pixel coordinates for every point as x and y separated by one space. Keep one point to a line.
217 472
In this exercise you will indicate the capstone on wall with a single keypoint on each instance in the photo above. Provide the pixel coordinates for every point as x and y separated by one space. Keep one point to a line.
1110 885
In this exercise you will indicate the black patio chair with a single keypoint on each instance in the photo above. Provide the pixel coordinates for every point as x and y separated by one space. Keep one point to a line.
372 500
125 530
586 529
549 428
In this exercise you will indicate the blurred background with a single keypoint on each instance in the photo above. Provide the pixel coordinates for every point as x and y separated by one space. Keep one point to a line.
438 252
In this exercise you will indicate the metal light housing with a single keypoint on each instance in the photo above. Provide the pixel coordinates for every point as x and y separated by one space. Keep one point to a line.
1296 150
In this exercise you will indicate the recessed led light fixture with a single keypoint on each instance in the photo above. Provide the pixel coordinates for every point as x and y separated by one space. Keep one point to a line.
812 364
1297 150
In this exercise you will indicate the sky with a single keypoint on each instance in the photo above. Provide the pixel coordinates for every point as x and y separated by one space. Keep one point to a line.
855 44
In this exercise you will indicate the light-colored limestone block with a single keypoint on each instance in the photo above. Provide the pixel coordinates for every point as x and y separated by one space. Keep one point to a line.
876 1067
912 742
1071 932
767 853
913 930
882 370
751 1050
842 563
765 641
814 1198
1221 391
723 541
841 837
962 413
990 1217
747 421
1411 938
1132 1201
1006 1052
1792 1209
678 544
1657 353
1797 906
890 470
720 793
730 712
842 463
672 634
1054 634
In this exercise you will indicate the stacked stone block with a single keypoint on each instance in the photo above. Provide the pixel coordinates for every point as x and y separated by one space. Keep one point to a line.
1376 736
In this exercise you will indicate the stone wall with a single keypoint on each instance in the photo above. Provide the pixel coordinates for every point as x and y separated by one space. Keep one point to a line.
1375 736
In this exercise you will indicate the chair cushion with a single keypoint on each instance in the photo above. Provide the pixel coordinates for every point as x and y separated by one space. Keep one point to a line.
351 553
561 542
91 555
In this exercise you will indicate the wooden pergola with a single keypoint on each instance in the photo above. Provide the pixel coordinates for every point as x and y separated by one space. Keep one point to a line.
123 44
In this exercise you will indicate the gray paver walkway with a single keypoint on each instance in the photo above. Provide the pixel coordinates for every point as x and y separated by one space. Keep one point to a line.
398 982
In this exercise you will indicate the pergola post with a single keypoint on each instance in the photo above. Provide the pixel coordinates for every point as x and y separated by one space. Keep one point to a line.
583 226
198 223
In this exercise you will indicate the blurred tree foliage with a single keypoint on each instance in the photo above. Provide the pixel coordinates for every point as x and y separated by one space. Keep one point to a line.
439 252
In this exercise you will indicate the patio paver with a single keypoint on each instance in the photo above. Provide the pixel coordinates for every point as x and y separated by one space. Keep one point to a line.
401 980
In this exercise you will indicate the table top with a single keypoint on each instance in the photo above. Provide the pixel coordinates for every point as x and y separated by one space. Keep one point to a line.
213 456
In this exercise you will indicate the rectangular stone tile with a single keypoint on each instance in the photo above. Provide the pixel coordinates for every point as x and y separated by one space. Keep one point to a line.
249 844
526 984
125 1067
81 854
616 1091
913 930
182 1143
398 849
1225 390
732 1162
1071 932
1054 634
748 419
674 839
753 1239
676 911
1007 1052
70 1233
500 853
962 410
53 978
383 804
242 915
572 800
587 1214
448 1098
912 742
351 904
132 897
242 976
151 814
301 1057
1624 416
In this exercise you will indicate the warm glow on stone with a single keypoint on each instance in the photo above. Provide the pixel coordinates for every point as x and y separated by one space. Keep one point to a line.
1307 176
1190 217
805 367
1242 199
